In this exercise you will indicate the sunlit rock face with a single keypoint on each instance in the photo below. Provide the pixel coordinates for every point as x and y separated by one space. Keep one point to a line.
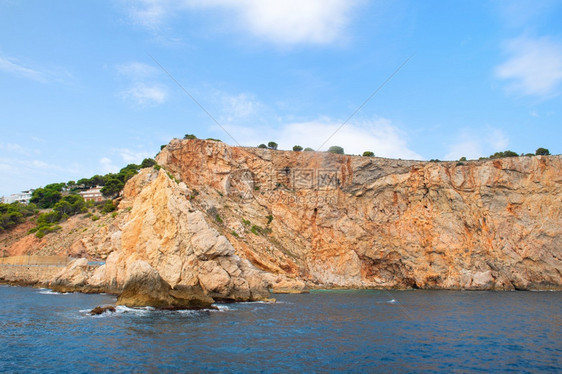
351 221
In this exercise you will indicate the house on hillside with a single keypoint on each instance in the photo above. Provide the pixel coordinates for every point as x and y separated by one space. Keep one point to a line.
22 197
93 194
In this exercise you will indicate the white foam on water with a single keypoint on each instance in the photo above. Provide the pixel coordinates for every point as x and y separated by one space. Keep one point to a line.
393 301
46 291
221 308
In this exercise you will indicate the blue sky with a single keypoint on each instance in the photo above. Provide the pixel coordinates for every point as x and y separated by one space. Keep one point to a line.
81 95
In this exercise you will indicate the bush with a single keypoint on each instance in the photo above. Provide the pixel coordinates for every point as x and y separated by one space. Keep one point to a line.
368 154
269 219
297 148
542 152
272 145
147 162
262 146
308 149
462 158
336 149
503 154
108 206
95 218
189 136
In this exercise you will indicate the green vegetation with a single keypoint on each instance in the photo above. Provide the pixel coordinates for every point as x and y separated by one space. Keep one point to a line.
262 146
234 233
13 214
462 158
218 219
215 140
47 196
368 154
308 149
147 163
246 222
272 145
542 152
189 136
258 230
507 153
297 148
336 149
269 219
112 187
108 207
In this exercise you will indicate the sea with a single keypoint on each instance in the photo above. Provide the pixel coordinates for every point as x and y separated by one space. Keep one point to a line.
338 331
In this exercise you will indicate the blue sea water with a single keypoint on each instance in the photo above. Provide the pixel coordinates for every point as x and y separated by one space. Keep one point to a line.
324 331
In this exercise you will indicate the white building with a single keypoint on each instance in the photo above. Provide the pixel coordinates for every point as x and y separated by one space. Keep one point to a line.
22 197
93 193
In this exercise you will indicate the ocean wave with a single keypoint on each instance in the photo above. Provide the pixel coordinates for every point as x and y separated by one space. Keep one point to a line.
46 291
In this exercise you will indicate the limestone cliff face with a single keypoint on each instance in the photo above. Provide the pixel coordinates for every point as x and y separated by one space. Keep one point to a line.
161 229
362 222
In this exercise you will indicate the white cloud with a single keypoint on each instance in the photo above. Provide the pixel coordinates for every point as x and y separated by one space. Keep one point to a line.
477 143
379 136
130 156
107 166
145 95
280 21
143 87
13 66
136 70
534 66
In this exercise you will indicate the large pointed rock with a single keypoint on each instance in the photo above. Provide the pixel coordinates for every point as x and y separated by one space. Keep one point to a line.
145 287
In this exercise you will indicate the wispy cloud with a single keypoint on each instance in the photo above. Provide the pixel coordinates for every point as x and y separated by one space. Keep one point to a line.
145 95
107 165
143 89
133 156
475 143
533 68
285 22
379 136
15 67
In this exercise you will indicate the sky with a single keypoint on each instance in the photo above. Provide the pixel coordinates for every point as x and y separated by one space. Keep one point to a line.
87 87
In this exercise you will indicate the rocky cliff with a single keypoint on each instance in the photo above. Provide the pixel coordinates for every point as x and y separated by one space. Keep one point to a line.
226 223
353 221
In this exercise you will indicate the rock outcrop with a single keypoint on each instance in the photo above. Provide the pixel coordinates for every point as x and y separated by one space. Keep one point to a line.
338 220
163 241
221 223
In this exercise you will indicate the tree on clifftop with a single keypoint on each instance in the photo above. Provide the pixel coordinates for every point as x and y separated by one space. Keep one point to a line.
112 187
336 149
297 148
368 154
542 152
272 145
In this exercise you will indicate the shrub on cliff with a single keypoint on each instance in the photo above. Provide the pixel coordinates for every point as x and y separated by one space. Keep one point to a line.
297 148
503 154
147 162
368 154
262 146
112 188
308 149
542 152
336 149
272 145
189 136
13 214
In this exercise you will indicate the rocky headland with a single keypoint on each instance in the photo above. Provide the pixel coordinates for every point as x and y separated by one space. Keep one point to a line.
214 222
